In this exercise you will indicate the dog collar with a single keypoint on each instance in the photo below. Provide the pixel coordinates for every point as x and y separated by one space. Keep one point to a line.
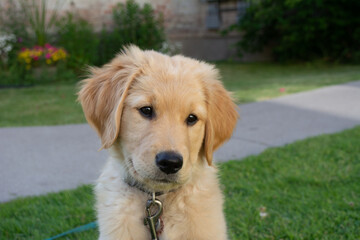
135 184
131 182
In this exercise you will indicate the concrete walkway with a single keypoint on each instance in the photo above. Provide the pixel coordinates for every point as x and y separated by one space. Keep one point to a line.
37 160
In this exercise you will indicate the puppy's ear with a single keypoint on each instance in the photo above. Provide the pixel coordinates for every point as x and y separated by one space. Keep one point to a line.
102 95
222 115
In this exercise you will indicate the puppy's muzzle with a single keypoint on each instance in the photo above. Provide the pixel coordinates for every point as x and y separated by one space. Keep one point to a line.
169 162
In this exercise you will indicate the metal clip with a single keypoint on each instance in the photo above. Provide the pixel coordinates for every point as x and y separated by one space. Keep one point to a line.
153 220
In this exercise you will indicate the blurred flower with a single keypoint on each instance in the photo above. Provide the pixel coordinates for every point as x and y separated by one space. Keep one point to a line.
282 90
6 45
47 54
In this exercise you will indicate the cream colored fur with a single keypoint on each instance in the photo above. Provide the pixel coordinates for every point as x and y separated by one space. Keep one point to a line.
174 87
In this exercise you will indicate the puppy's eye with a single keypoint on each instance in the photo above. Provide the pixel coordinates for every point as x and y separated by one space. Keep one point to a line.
191 119
147 112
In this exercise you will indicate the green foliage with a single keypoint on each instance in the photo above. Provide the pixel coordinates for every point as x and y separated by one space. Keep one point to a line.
39 17
12 21
132 25
31 22
15 76
302 29
77 36
18 76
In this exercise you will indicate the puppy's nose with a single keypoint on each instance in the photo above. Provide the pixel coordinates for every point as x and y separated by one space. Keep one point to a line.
169 162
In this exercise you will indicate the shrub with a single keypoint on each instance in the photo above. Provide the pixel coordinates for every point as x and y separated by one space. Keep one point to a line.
12 21
39 17
76 35
302 29
30 23
14 31
18 76
132 25
6 45
15 76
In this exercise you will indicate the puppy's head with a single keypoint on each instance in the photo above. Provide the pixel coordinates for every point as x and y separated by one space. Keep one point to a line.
161 116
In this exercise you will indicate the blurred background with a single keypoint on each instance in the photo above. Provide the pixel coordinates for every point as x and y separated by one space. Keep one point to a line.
263 48
293 67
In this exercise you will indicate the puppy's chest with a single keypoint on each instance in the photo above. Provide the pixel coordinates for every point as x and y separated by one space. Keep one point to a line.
171 222
167 228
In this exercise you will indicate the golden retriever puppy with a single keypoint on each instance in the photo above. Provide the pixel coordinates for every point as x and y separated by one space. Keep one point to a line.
161 118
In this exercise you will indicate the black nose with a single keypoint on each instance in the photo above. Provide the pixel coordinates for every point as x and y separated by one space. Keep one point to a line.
169 162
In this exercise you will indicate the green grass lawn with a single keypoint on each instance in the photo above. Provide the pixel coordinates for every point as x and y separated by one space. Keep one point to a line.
55 104
41 105
309 190
262 81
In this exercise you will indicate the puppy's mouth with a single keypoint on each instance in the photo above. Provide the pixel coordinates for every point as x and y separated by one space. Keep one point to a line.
165 180
166 183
